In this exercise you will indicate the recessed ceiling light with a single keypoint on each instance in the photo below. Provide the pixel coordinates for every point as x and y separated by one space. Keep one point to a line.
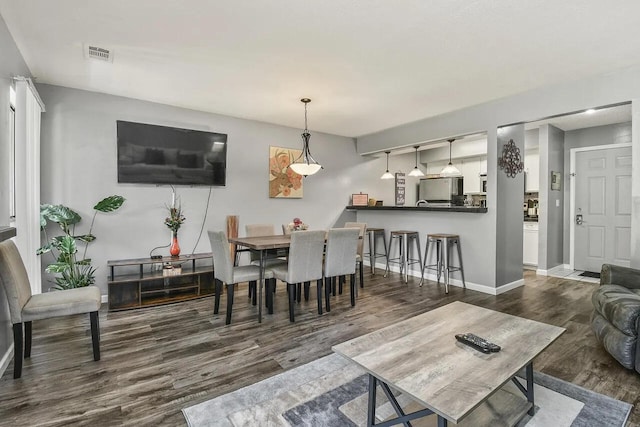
590 111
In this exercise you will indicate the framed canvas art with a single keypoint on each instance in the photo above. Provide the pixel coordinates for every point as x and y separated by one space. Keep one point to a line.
283 182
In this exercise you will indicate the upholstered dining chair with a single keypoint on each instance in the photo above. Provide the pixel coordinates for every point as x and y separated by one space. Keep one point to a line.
25 307
305 265
225 272
340 259
362 226
272 258
257 230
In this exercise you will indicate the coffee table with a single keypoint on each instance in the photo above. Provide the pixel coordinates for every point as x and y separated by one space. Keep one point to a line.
421 358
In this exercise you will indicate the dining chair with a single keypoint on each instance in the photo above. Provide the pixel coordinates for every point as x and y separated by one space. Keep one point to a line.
362 226
24 307
272 258
224 272
285 229
304 265
340 259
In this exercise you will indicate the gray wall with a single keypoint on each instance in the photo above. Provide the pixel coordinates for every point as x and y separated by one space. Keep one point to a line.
79 168
599 135
551 226
12 64
567 97
509 199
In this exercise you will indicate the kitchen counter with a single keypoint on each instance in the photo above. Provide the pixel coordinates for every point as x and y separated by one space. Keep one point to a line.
462 209
6 232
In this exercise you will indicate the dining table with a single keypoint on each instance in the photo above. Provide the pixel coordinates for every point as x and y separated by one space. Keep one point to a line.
262 245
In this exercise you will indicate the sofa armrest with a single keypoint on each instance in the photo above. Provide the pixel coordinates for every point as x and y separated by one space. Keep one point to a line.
617 275
618 305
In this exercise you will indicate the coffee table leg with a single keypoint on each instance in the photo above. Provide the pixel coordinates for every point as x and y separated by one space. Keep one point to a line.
529 374
442 422
371 413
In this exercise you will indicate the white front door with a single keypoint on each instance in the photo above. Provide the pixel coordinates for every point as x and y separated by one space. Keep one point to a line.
602 208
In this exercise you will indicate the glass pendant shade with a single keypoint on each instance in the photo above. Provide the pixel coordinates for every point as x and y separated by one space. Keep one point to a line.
387 174
450 170
305 164
416 171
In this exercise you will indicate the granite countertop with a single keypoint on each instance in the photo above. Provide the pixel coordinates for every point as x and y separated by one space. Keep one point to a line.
463 209
6 232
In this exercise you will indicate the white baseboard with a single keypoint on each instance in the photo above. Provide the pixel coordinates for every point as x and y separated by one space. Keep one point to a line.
540 272
504 288
453 281
6 358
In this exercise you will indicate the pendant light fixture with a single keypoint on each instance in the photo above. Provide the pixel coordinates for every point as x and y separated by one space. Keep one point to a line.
387 174
450 170
416 171
305 164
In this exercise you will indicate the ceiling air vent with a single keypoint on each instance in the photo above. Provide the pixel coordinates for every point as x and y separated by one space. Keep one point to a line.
100 53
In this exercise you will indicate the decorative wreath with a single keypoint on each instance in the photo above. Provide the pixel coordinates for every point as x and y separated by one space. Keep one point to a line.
511 162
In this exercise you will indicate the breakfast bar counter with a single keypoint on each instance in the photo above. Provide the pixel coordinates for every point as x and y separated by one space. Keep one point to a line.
463 209
474 224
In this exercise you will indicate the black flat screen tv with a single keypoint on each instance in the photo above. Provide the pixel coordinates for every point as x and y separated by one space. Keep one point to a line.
152 154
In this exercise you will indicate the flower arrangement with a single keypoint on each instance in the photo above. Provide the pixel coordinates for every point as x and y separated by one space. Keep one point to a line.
297 225
175 219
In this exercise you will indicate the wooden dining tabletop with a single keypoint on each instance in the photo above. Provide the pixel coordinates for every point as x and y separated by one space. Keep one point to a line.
262 243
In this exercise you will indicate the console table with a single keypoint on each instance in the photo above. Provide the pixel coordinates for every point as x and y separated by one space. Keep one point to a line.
143 282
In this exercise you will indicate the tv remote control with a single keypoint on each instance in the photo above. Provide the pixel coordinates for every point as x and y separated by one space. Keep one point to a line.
478 343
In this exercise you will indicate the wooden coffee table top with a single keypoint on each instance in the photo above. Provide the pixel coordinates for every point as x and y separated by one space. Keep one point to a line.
421 357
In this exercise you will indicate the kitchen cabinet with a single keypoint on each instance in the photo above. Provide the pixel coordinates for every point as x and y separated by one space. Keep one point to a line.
532 171
530 244
470 169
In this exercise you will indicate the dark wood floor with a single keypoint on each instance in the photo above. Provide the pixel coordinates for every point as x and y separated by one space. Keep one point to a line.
156 361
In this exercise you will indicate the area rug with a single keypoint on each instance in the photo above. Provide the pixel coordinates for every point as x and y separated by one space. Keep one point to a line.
590 274
332 391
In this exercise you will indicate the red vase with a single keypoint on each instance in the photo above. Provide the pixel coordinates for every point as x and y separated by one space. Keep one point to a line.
174 250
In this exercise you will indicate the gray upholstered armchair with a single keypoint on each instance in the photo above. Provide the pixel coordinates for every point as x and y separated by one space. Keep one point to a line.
616 315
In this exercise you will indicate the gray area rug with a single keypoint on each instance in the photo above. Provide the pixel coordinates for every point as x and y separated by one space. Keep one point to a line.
332 391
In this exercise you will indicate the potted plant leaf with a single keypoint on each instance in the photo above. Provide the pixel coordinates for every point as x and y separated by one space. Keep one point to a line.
73 270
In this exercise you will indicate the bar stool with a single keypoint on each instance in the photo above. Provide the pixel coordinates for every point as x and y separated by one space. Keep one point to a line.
443 244
374 235
404 247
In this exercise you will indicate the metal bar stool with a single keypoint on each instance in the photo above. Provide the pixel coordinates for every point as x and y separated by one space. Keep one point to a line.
403 238
374 235
443 243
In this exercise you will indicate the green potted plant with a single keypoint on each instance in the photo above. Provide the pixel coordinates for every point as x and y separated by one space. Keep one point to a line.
73 271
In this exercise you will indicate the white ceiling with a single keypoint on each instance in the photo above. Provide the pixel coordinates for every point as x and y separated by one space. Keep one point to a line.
367 65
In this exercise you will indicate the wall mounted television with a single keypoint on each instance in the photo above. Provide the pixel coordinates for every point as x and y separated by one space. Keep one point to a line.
152 154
